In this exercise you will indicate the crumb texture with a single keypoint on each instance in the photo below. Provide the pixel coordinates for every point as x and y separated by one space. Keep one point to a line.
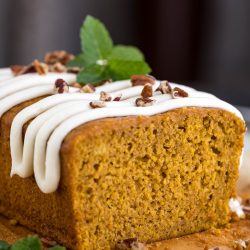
154 177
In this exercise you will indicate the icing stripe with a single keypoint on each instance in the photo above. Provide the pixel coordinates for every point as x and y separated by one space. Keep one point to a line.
57 115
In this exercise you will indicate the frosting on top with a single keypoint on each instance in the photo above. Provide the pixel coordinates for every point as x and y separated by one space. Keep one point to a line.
57 115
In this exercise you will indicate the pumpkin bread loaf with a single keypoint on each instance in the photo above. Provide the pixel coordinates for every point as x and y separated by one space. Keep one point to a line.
151 177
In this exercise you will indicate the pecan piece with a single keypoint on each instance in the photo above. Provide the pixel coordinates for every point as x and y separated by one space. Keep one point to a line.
88 88
57 67
246 209
61 86
241 244
75 85
104 96
147 91
22 69
142 80
60 56
117 98
179 93
97 104
74 70
40 68
164 87
144 102
131 244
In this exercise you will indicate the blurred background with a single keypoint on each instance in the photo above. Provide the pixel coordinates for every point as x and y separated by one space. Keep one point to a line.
204 44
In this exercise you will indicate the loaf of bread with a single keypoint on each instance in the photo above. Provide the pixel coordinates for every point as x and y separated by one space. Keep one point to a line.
92 169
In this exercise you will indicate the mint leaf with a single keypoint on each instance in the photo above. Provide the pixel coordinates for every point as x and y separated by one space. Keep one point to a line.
127 53
122 70
93 74
96 42
4 245
78 61
29 243
100 60
57 248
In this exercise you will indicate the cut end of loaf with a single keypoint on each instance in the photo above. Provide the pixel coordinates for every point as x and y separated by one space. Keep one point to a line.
153 177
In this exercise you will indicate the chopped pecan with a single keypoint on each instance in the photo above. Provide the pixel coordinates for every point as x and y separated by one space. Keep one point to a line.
40 68
241 244
74 70
131 244
60 56
57 67
179 93
142 80
117 98
105 82
35 66
144 102
97 104
75 85
61 86
104 96
88 88
164 87
246 209
147 90
22 69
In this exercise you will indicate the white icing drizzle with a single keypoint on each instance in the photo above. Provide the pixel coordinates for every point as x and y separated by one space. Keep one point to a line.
57 115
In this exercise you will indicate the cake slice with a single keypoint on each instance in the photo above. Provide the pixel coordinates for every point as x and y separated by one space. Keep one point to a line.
136 158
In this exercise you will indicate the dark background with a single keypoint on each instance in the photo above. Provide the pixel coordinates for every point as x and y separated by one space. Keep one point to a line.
204 44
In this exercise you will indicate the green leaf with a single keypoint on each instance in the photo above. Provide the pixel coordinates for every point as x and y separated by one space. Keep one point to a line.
57 248
127 53
4 245
93 74
121 69
96 42
29 243
78 61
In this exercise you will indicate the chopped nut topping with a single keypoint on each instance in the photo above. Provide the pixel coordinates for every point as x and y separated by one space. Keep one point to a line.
147 91
104 96
117 98
60 56
142 80
35 66
144 102
97 104
165 87
246 209
74 70
22 69
179 93
131 244
61 87
75 85
57 67
40 68
88 88
105 82
242 244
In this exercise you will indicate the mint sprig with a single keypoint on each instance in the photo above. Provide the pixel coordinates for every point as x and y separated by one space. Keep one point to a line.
28 243
101 60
